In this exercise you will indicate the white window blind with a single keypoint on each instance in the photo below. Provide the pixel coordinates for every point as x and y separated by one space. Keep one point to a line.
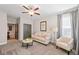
66 25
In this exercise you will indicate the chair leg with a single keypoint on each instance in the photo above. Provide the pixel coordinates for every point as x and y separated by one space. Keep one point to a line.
27 45
71 49
56 47
68 52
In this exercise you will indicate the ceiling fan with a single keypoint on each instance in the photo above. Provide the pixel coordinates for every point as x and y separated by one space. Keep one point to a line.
31 10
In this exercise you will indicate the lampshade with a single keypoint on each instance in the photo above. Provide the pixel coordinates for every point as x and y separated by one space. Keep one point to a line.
53 29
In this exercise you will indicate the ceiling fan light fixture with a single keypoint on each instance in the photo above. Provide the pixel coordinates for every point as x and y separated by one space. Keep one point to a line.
31 12
31 9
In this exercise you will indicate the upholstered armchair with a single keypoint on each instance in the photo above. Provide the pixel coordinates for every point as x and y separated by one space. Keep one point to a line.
65 43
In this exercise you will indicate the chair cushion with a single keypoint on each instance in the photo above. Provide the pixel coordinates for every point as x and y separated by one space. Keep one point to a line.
65 43
65 39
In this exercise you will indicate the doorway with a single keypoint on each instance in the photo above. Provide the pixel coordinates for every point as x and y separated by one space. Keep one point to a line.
12 32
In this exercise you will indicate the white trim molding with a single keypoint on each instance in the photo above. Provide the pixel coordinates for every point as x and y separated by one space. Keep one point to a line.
3 43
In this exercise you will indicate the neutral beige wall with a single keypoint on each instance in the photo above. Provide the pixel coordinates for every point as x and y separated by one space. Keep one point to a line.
51 23
11 20
3 28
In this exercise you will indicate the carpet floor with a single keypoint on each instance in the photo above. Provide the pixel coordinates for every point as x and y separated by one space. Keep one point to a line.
14 47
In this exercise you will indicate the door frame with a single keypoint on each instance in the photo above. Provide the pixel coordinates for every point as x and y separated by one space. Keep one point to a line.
16 30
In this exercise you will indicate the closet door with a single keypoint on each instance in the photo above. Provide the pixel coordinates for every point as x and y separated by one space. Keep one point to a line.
26 31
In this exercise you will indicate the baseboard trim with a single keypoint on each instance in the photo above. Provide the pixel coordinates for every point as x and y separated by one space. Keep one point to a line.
3 43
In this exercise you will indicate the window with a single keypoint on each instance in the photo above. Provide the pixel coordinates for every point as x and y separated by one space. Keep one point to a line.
66 25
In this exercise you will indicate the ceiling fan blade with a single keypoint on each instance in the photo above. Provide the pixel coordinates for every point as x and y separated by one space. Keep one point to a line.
37 13
36 9
24 12
25 7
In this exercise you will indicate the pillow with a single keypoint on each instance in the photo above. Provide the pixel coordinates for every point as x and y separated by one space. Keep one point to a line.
65 39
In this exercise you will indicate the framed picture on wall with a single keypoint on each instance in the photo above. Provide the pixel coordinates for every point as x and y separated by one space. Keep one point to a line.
43 26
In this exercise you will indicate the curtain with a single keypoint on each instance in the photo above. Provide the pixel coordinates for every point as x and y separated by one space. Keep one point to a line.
59 25
74 25
77 33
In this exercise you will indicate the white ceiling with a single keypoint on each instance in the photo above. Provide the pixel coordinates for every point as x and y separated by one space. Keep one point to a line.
45 9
